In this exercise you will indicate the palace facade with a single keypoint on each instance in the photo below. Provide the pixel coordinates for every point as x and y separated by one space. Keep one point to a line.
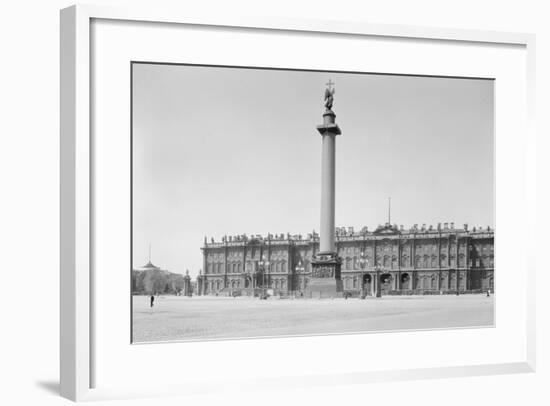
388 260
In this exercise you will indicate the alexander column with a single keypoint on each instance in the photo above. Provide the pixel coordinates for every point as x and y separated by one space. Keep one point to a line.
325 277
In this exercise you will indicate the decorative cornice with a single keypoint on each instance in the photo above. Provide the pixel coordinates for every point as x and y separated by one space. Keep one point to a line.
347 234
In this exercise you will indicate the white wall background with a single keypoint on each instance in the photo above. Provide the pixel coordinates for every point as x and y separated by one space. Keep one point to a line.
29 154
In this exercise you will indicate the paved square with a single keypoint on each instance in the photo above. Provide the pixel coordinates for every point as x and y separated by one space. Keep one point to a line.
196 318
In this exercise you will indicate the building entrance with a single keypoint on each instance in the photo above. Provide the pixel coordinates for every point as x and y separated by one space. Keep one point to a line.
367 285
385 283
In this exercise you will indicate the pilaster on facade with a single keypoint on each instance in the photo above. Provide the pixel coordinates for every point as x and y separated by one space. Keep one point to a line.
439 276
413 252
374 253
467 276
225 252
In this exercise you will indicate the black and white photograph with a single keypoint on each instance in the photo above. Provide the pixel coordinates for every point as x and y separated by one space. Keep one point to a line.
279 202
271 202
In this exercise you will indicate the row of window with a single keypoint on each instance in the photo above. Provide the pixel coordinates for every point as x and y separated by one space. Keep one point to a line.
240 254
425 261
353 263
217 285
357 250
236 267
417 247
422 282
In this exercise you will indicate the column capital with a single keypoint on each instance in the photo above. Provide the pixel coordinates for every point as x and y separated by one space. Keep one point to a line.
329 129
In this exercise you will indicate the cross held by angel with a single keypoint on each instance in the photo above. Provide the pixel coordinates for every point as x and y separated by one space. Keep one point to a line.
329 95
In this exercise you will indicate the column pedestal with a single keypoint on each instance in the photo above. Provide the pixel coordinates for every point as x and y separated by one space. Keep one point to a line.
325 281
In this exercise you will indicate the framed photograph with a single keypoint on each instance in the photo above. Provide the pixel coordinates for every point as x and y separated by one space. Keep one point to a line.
272 200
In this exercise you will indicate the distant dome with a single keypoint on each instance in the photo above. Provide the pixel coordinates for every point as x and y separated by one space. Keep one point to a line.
148 266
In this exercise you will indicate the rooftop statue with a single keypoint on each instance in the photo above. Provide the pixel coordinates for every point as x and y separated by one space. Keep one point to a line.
329 95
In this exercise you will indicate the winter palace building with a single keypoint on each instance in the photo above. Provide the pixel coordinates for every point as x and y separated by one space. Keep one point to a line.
388 260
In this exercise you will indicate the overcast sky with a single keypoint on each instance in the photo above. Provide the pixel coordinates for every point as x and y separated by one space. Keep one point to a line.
231 151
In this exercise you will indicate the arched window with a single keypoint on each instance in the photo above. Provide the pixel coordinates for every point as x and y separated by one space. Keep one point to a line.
425 263
283 266
386 262
283 284
405 281
417 261
348 263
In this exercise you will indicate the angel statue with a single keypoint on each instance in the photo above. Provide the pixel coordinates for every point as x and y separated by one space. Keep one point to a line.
329 95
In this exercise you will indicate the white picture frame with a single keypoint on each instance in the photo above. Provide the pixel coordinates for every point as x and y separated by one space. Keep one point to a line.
77 281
